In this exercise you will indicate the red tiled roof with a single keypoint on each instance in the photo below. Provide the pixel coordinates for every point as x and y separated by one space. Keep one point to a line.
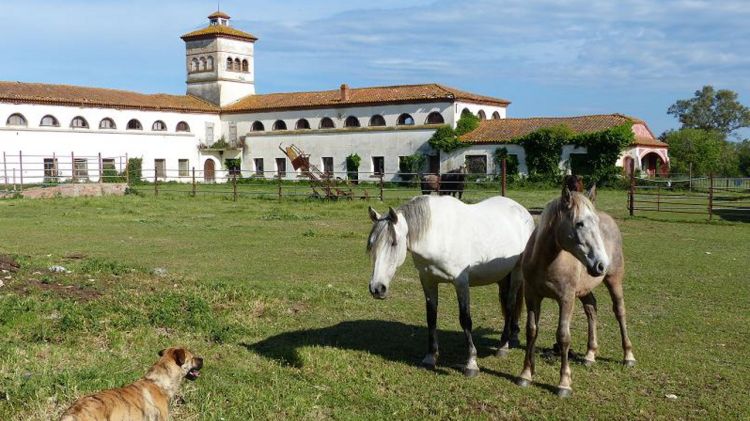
359 97
219 31
79 96
218 14
507 129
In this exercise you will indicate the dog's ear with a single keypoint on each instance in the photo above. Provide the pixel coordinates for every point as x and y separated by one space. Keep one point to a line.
179 356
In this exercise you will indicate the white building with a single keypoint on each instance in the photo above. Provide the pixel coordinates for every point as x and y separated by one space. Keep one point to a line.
70 132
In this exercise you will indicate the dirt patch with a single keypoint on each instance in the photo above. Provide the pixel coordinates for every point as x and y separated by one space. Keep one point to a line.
76 190
8 263
74 256
76 292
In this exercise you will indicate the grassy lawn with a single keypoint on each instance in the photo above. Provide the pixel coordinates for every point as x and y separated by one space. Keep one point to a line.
274 296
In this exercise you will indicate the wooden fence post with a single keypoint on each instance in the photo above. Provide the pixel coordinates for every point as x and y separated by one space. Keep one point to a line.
631 191
504 177
278 176
193 191
156 183
127 170
710 196
234 187
101 169
72 167
380 175
20 171
5 170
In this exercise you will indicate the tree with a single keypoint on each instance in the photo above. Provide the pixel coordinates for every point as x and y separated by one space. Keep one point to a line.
711 110
446 139
707 151
742 150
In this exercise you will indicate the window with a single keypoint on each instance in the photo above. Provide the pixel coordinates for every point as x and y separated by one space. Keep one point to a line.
79 123
465 111
258 127
496 115
159 126
80 169
279 125
351 121
160 167
233 132
245 66
134 125
183 167
328 165
435 118
476 164
16 120
327 123
258 166
281 167
378 165
405 120
194 65
49 121
107 124
482 116
209 133
302 124
203 64
377 120
230 63
50 170
237 65
109 171
183 127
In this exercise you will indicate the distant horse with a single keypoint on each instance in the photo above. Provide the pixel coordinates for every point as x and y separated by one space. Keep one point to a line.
452 242
452 182
429 183
573 249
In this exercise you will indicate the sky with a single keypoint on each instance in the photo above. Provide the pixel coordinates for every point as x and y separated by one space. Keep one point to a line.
549 58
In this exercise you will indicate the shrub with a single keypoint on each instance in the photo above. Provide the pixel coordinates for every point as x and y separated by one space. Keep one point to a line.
134 169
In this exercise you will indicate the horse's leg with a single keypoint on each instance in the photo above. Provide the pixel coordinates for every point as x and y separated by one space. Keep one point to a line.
589 307
533 306
430 288
566 304
618 305
462 291
510 300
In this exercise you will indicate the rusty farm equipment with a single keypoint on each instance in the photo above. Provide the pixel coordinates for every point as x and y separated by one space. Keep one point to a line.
323 185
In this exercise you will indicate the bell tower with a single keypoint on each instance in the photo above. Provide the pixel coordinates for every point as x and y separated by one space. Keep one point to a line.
220 61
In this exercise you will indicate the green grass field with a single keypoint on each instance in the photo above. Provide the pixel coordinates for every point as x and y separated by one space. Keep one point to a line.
274 296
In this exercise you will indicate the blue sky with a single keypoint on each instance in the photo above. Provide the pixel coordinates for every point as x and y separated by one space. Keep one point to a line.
550 58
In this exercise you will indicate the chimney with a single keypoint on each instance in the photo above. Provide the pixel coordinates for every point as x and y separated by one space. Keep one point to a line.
344 92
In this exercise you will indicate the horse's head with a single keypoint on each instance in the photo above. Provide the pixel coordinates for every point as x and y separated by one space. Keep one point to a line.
578 230
387 247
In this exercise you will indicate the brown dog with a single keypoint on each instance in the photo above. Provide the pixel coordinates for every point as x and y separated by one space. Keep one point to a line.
146 399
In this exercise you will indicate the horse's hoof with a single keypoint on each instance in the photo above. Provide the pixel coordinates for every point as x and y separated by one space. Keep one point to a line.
502 352
589 363
427 366
629 363
564 392
523 382
514 343
470 372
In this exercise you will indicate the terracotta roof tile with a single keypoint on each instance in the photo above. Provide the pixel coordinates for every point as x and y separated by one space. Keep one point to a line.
507 129
358 97
218 14
219 31
40 93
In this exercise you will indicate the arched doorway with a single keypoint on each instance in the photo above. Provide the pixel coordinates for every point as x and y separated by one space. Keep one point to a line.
209 171
653 165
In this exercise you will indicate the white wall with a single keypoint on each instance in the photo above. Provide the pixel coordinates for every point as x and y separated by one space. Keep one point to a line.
457 158
458 108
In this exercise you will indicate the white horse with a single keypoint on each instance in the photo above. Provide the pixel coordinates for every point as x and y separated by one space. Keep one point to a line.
452 242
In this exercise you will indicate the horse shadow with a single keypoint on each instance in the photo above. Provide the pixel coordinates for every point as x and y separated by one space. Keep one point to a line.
390 340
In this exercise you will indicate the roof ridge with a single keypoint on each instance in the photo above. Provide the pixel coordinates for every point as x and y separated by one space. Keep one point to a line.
569 117
65 85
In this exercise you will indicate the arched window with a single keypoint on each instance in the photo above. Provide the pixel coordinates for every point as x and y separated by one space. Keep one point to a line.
245 66
496 116
183 127
465 111
302 124
279 125
435 118
107 123
210 63
230 63
351 121
258 127
327 123
203 64
49 121
16 120
194 65
405 120
237 65
134 125
79 123
377 120
158 126
482 116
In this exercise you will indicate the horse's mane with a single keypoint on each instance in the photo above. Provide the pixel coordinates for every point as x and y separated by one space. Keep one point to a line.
416 213
553 210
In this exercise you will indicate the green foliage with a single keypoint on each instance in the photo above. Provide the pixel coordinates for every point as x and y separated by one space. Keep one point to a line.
233 165
134 169
543 149
110 174
352 166
742 150
603 149
511 162
446 139
409 166
707 151
711 110
220 144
